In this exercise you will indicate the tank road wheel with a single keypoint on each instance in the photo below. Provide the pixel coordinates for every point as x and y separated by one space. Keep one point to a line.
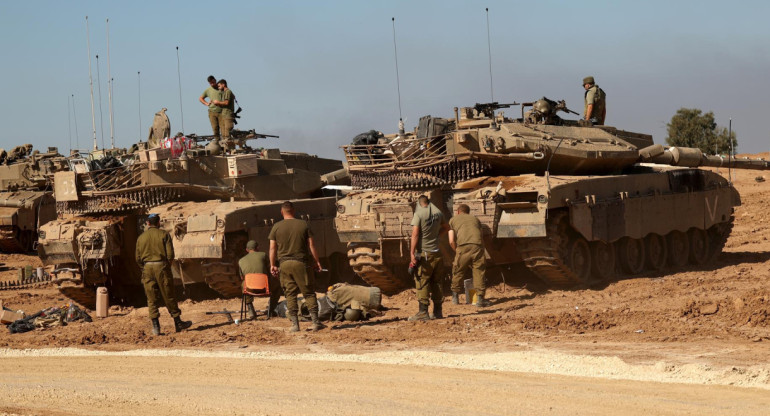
678 248
699 246
603 264
579 259
656 251
631 255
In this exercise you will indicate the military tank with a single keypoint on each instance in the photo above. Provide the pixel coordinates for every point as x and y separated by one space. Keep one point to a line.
25 196
210 202
578 204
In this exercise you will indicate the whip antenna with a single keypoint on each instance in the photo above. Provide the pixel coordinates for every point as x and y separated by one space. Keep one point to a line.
179 76
398 81
489 46
139 93
109 88
69 121
730 156
91 84
99 82
75 117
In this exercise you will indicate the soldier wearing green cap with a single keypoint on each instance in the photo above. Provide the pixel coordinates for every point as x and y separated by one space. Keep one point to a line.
154 253
256 262
595 102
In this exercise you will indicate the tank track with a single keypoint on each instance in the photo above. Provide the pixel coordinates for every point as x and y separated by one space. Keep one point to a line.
141 199
366 261
545 256
222 277
24 284
9 241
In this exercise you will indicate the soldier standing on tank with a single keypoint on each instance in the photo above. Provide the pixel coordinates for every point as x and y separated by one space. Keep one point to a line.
215 111
227 119
291 245
256 262
427 224
595 102
154 253
465 239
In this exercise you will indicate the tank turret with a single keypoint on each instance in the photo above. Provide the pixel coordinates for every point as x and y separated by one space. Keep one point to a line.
25 195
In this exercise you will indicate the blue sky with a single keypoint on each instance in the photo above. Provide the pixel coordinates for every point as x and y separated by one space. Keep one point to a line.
318 73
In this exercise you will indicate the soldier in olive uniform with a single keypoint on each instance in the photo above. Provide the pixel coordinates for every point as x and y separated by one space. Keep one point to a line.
226 103
291 247
465 239
427 224
256 262
154 253
595 98
215 111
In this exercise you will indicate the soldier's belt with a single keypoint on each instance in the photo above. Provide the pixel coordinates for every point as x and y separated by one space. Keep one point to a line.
283 259
155 262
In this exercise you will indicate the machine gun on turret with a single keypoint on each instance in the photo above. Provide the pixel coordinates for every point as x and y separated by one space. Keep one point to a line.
489 108
235 135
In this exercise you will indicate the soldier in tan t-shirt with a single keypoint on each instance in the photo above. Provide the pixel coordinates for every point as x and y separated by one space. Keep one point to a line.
595 102
465 238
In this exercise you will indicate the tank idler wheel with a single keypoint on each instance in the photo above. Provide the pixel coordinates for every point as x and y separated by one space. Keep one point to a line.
656 251
603 264
699 246
678 248
579 259
631 255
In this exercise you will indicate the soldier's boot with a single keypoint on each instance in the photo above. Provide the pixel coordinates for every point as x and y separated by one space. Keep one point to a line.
422 315
294 323
455 298
181 325
481 302
317 325
437 311
250 312
155 327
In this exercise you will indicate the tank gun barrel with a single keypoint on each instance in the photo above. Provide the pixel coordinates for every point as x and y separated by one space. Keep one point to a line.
12 203
693 157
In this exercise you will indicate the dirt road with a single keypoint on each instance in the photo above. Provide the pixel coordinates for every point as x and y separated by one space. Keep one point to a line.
169 382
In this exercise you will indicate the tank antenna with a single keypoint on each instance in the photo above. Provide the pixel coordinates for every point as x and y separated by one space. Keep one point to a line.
730 156
99 89
91 84
489 47
69 121
109 89
398 81
75 117
139 94
179 77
